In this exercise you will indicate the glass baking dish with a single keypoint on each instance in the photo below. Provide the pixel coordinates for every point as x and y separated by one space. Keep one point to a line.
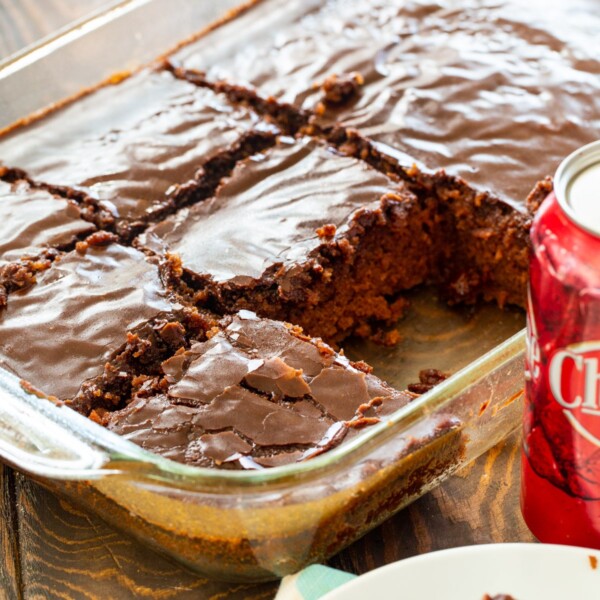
263 524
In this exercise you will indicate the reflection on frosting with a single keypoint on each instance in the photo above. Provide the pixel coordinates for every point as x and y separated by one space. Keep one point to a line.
497 92
257 394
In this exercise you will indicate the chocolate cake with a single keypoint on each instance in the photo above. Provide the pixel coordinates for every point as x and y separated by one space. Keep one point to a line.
182 200
35 226
187 247
496 92
132 145
258 393
304 234
89 317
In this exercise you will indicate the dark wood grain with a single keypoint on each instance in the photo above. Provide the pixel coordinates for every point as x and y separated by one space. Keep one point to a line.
10 565
67 553
50 549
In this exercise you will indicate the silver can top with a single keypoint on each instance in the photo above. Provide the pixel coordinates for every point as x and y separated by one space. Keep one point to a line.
577 187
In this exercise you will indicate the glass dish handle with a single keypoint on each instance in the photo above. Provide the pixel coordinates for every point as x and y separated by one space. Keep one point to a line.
36 436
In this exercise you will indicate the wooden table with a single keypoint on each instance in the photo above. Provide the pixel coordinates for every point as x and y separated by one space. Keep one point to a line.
50 549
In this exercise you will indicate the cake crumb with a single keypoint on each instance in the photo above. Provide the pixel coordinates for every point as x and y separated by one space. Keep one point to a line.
326 231
339 90
428 379
389 338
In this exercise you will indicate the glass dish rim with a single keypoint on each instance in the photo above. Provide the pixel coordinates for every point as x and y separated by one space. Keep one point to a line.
121 450
62 35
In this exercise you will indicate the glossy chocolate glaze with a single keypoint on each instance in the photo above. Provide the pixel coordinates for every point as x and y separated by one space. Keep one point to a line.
257 394
61 331
495 91
33 219
269 210
127 144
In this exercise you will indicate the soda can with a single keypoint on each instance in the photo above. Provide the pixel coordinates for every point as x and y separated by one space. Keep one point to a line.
560 476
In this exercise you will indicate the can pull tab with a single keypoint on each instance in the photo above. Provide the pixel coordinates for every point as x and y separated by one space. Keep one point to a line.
37 437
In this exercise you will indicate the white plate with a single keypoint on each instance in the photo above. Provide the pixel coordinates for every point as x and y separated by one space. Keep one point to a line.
525 571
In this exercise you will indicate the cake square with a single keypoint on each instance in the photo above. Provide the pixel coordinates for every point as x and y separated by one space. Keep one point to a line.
33 219
35 226
128 144
83 312
303 234
259 393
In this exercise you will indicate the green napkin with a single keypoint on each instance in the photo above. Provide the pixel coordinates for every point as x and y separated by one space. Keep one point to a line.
312 583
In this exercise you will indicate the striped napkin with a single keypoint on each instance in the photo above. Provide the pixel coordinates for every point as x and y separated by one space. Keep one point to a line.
312 583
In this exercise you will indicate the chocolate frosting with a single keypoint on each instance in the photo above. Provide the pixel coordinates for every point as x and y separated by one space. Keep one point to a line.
61 331
127 144
269 211
31 219
257 394
495 91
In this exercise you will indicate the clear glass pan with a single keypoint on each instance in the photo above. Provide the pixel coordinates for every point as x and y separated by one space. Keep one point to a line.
256 525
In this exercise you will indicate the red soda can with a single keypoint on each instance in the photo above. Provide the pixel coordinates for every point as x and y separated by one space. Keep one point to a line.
560 484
